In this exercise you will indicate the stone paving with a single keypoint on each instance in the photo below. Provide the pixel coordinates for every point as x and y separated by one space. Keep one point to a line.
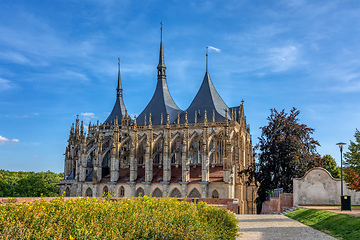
268 226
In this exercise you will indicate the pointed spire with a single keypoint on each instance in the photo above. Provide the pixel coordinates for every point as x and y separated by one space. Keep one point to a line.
213 118
135 124
150 122
186 118
167 119
207 58
205 117
119 109
119 87
161 66
162 119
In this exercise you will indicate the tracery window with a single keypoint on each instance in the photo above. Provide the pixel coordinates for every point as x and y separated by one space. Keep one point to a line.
121 191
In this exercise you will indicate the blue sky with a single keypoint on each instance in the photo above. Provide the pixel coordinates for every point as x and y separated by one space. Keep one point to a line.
59 59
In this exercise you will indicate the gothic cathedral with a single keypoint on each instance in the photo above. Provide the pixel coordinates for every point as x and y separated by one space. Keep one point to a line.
165 151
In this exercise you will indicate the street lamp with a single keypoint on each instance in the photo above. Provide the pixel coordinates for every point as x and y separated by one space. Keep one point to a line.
341 144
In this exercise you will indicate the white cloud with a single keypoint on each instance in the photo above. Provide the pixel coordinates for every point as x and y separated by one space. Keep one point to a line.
283 58
214 48
4 140
86 114
5 84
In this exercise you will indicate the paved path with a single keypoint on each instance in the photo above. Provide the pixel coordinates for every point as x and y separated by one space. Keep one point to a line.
266 226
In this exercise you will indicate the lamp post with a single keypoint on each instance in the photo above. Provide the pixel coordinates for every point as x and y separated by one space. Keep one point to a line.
341 144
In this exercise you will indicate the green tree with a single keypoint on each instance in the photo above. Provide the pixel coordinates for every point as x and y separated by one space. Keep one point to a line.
29 184
352 163
331 167
286 151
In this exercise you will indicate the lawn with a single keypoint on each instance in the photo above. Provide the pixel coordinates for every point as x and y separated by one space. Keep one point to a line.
335 224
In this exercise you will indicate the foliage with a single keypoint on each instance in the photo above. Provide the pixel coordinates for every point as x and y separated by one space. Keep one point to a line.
352 179
341 226
331 167
352 163
139 218
287 150
29 184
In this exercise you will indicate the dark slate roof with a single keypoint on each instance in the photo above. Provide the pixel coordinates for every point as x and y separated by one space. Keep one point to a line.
161 103
118 111
207 99
119 107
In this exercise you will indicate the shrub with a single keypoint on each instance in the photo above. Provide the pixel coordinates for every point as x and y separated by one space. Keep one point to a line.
92 218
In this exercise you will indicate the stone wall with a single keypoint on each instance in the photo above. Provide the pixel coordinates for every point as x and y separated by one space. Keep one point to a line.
276 204
318 187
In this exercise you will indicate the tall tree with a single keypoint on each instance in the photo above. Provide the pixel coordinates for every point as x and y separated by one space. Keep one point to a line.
331 166
352 163
286 151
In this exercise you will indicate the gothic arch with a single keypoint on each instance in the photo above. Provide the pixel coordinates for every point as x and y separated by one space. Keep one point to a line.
215 194
139 192
88 193
105 165
121 191
194 193
157 193
105 190
67 192
175 193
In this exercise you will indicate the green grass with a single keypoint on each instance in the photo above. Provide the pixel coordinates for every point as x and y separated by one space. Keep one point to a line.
337 225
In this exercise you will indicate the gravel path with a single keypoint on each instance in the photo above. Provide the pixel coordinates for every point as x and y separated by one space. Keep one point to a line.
264 226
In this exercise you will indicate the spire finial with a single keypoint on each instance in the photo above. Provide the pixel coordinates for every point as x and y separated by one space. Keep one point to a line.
207 56
161 66
119 89
161 29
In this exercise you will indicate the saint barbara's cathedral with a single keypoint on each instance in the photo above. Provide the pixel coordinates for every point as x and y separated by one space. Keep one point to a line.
165 151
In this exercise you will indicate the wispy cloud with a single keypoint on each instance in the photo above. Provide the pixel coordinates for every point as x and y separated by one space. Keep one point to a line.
283 58
214 48
4 140
5 84
86 114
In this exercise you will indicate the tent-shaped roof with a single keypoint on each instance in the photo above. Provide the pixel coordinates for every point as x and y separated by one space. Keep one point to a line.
207 98
119 107
161 103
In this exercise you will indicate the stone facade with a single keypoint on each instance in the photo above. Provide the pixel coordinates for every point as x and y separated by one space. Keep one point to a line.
168 153
318 187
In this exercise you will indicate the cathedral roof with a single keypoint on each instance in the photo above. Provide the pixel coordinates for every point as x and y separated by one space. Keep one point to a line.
207 98
161 103
119 107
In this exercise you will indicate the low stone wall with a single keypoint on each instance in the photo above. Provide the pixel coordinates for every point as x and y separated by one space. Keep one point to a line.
229 204
276 205
318 187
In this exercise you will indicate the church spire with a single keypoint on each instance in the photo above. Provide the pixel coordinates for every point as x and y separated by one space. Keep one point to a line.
119 87
119 110
161 66
207 60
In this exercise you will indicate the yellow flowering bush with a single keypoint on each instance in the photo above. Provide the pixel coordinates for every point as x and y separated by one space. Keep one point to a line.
138 218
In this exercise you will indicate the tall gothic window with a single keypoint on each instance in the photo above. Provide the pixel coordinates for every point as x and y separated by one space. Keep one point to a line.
105 165
142 151
122 192
157 151
215 194
88 193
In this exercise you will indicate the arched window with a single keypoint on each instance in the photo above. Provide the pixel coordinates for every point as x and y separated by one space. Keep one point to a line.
194 193
175 193
67 192
88 193
157 193
157 151
139 192
215 194
142 151
105 165
105 190
122 192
